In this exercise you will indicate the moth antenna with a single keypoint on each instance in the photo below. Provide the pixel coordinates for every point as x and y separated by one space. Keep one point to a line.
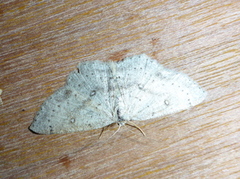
130 123
101 133
119 126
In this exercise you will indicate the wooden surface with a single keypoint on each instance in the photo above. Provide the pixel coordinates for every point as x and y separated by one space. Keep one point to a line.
42 41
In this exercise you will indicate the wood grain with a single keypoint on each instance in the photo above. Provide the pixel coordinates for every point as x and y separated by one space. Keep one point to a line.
42 41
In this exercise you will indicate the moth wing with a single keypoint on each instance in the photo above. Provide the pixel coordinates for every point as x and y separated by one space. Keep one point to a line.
148 90
82 104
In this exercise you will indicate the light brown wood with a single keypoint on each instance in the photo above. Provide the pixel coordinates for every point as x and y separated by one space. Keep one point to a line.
42 41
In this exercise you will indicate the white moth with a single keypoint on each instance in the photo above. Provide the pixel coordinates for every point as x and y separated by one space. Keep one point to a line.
99 93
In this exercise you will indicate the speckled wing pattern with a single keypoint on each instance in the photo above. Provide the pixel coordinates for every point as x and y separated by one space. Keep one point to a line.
99 93
148 90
